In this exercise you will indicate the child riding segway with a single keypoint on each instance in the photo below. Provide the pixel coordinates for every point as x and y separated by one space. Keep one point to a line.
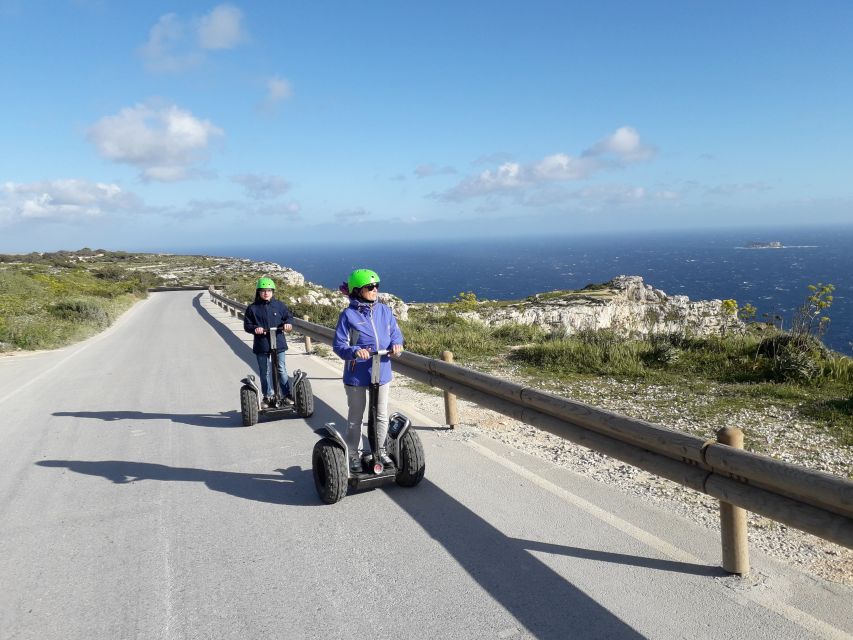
268 319
366 337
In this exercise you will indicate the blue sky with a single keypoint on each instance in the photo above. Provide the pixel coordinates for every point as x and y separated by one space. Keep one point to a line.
146 125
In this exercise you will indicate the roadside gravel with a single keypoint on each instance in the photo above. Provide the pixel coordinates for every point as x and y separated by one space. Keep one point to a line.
770 431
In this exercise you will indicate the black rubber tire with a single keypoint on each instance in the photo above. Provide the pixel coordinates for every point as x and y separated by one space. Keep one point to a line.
329 464
412 463
303 399
249 406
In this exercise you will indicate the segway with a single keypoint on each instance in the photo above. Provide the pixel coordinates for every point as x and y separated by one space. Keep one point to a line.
300 387
330 459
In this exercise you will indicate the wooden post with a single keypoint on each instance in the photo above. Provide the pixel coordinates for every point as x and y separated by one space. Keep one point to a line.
307 337
450 413
732 518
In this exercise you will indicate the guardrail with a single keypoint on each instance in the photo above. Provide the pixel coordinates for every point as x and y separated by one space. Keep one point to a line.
813 501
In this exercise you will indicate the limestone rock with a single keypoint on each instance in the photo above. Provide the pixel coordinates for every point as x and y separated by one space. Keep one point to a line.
625 304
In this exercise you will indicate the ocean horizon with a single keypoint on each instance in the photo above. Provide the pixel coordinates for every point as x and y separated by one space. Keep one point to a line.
703 265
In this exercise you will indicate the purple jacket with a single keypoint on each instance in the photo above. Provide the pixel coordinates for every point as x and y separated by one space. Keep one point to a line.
365 326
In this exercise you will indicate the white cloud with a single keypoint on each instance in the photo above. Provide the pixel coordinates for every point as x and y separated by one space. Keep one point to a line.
622 147
510 176
63 200
176 45
353 216
624 144
233 208
286 209
278 90
737 188
262 187
163 143
560 167
613 195
221 28
428 170
167 48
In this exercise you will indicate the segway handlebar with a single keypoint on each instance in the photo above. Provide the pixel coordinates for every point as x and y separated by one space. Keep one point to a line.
380 352
270 330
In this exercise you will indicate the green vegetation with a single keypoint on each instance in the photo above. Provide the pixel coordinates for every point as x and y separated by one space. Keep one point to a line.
53 299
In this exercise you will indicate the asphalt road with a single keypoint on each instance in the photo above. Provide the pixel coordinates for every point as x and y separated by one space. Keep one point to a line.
133 504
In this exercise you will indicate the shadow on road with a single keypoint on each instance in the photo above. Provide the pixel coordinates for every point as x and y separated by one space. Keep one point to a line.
293 486
240 348
547 604
621 558
223 419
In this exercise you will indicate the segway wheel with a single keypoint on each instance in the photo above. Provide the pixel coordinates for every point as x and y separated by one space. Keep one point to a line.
330 471
412 461
249 406
303 398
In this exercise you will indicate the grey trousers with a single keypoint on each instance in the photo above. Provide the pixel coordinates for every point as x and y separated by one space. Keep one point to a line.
357 402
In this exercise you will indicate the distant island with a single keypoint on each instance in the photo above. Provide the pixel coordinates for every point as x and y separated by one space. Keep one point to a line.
765 245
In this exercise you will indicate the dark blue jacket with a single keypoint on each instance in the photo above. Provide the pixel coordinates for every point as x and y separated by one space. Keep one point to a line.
373 327
267 315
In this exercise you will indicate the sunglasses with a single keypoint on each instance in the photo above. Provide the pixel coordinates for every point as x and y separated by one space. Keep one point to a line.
370 287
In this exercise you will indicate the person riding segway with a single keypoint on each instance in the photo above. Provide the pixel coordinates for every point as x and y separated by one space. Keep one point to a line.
366 336
268 320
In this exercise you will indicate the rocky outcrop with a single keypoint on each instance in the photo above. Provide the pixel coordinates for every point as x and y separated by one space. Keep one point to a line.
321 296
625 304
203 270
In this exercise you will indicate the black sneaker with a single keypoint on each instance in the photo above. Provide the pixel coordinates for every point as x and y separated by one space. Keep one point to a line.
288 400
385 459
269 401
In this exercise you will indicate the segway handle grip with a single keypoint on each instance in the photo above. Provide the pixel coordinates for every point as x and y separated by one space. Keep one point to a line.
270 330
380 352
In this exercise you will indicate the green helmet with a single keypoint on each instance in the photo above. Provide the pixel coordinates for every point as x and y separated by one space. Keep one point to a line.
361 277
265 283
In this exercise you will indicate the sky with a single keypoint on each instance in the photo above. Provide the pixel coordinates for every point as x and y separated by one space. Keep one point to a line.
151 125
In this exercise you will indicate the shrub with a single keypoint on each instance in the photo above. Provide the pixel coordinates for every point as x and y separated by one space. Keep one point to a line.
465 301
431 333
663 351
512 334
111 272
81 310
588 352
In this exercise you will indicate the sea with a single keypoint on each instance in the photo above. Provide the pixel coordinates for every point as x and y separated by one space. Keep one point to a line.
707 264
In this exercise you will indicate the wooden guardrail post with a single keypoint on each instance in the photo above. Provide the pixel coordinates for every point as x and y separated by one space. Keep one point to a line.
451 415
307 337
732 518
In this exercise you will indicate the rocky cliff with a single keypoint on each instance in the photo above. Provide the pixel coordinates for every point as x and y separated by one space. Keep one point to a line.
625 304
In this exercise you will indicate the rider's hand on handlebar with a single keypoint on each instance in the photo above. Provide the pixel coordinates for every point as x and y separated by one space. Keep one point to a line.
287 328
396 349
362 354
260 330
